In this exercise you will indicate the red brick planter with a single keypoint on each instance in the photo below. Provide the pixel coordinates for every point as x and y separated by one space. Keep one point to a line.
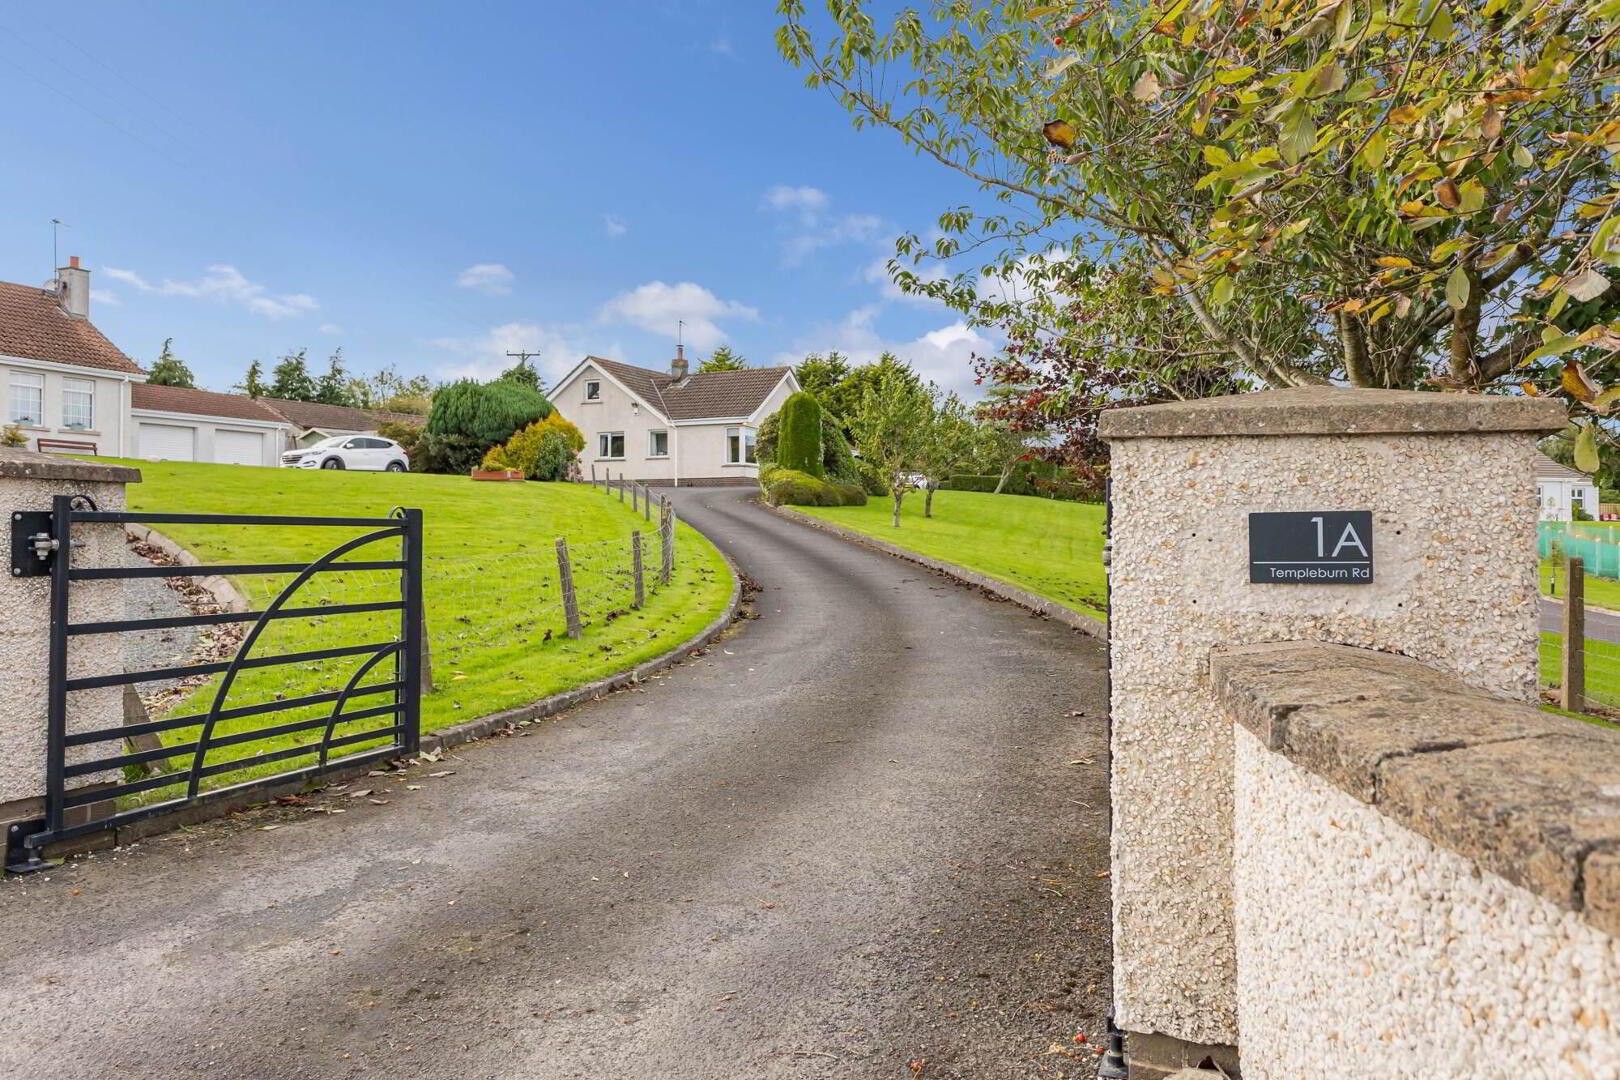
497 474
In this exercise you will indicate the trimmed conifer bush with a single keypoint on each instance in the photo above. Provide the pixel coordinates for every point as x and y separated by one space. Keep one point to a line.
799 438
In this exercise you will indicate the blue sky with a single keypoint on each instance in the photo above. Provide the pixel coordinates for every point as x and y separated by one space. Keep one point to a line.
430 185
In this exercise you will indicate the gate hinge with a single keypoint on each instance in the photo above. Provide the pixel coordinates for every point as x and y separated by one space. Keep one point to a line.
32 545
22 857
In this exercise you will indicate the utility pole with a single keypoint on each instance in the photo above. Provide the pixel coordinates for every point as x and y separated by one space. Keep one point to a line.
522 357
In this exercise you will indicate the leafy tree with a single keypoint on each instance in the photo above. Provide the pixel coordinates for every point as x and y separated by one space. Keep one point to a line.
1403 194
891 427
525 375
291 380
486 413
820 375
723 359
799 442
372 391
948 442
415 406
170 370
845 398
332 388
998 447
252 383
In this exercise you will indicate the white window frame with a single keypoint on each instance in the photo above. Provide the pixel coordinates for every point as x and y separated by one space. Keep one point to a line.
26 381
87 387
652 443
593 389
745 450
604 444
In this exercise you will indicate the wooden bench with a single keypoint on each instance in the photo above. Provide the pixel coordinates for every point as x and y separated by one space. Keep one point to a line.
64 446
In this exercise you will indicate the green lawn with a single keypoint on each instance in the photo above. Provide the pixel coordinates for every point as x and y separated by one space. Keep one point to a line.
1602 671
495 623
1050 548
1599 591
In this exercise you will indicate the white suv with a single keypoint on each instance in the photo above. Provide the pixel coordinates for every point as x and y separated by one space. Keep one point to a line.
350 452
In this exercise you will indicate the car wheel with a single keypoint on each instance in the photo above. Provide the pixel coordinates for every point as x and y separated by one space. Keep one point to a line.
396 466
332 463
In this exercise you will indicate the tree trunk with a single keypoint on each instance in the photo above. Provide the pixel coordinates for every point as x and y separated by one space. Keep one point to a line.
928 501
898 495
1006 473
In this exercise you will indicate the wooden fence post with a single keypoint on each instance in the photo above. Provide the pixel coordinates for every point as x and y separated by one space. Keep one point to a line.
1572 669
593 474
635 506
427 655
666 538
635 567
646 503
565 574
621 487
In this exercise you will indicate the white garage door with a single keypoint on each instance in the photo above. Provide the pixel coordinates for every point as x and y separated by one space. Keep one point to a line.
239 447
168 442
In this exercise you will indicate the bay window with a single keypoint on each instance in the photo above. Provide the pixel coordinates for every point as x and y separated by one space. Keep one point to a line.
740 446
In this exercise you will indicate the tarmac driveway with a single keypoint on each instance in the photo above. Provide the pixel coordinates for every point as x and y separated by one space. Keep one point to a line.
863 836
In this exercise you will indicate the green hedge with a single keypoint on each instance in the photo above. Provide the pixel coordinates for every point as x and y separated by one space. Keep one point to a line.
799 440
790 487
971 482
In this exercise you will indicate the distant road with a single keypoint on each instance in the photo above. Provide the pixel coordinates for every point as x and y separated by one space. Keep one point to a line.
1600 625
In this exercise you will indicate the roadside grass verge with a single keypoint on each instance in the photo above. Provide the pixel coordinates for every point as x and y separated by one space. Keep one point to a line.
1602 673
1050 548
493 609
1599 591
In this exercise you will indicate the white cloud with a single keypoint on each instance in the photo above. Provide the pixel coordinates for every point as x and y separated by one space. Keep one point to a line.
484 356
813 226
943 355
723 46
657 308
330 328
614 225
225 284
491 278
101 296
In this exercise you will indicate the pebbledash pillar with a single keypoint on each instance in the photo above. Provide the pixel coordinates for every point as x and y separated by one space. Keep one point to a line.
1390 520
28 483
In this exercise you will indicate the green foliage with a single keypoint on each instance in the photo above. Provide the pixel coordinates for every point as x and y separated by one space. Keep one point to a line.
838 460
790 487
891 427
333 388
543 451
1391 195
13 435
170 370
799 437
446 453
723 359
523 374
405 403
291 381
486 413
820 375
252 383
972 482
388 390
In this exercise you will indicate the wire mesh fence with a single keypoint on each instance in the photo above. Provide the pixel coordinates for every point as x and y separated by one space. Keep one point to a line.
1580 661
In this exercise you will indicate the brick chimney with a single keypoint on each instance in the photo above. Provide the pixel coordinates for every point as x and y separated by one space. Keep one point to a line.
677 366
73 283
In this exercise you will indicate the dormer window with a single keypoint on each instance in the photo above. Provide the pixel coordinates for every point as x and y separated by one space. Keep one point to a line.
593 390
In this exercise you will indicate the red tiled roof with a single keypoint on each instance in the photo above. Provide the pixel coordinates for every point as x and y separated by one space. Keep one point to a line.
181 399
310 414
33 326
708 395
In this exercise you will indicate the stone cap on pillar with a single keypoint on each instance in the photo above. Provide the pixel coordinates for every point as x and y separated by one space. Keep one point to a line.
1334 410
18 464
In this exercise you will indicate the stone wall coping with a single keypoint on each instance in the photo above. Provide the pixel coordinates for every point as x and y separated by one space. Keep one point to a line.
16 464
1334 410
1530 795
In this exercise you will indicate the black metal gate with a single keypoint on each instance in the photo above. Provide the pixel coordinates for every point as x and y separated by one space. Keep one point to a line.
47 540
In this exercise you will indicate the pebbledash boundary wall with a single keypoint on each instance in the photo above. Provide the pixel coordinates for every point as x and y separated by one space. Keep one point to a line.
1347 843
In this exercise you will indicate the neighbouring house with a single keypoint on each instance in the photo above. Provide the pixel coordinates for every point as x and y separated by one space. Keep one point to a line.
67 387
70 390
311 422
176 423
1561 490
670 427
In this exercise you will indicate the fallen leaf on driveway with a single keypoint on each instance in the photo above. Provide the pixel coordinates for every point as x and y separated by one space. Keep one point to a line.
1082 761
446 772
358 794
268 828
